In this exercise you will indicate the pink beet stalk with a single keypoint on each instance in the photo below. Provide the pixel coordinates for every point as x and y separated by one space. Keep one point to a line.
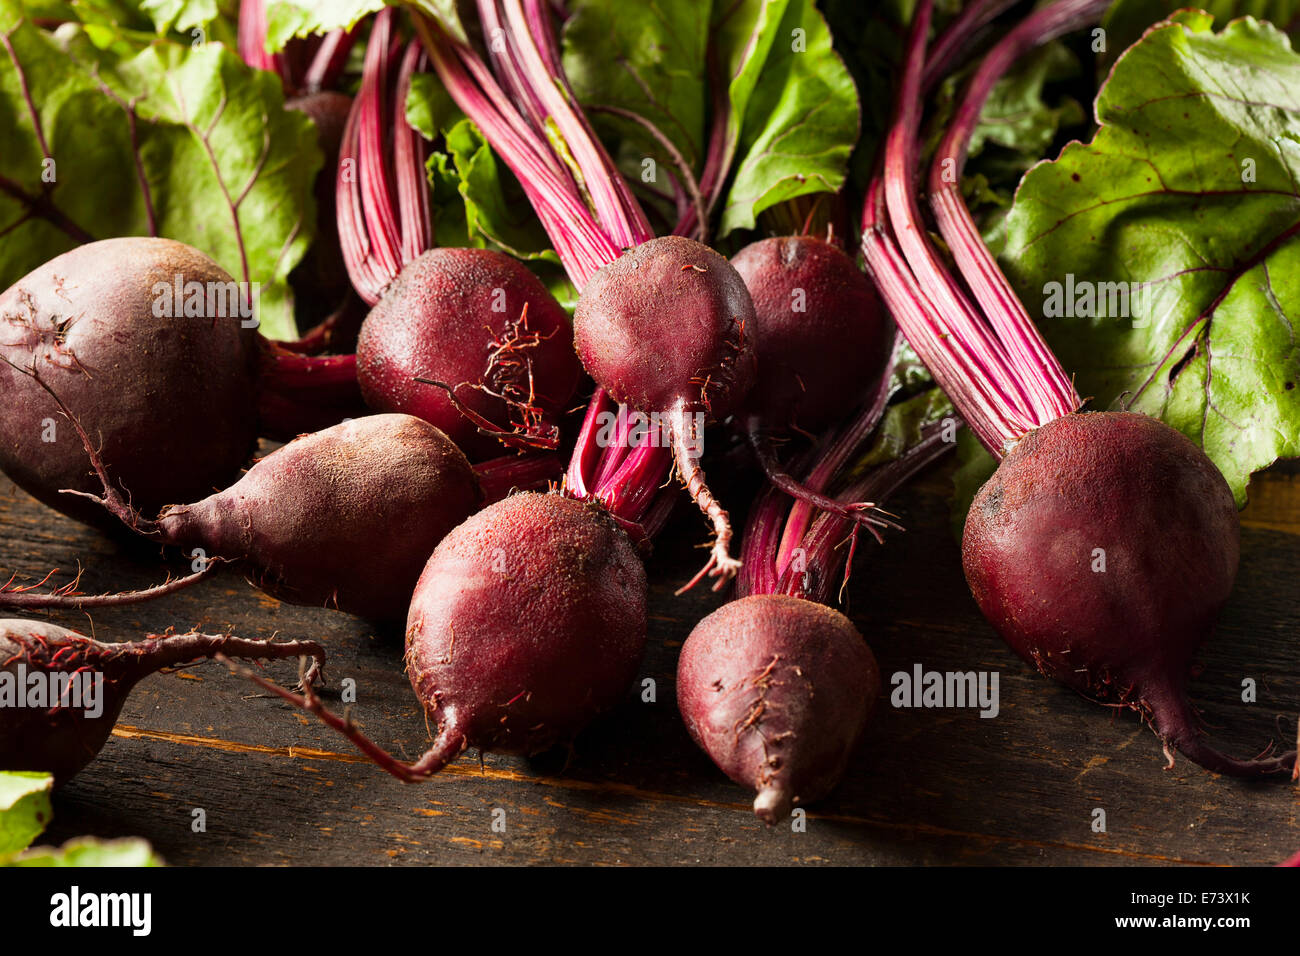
524 106
1101 476
385 219
306 65
980 345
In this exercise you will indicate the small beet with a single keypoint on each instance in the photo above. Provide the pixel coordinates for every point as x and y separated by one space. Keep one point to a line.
55 736
664 330
820 330
483 326
528 622
777 691
668 323
345 517
1102 550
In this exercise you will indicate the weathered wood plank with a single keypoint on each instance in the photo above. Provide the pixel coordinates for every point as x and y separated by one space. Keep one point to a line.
929 787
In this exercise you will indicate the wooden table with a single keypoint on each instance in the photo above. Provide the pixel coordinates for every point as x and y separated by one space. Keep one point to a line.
929 786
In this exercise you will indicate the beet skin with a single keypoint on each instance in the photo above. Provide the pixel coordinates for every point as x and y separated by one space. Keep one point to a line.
170 400
777 691
345 517
819 332
529 620
1102 550
448 318
668 321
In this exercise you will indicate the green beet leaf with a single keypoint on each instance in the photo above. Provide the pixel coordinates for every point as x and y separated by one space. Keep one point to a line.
1163 257
25 809
121 133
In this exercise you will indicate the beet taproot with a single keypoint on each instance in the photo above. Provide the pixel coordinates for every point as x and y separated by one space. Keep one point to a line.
1102 550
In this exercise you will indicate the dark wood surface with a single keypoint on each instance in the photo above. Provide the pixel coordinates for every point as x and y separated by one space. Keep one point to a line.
928 787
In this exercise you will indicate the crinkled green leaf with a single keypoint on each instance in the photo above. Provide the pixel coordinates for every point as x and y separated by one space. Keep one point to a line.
429 107
1190 191
137 134
286 19
1126 20
496 214
800 122
25 809
181 14
90 852
647 58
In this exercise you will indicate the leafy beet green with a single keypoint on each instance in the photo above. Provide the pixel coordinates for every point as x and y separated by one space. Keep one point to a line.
787 115
1127 20
189 144
1184 205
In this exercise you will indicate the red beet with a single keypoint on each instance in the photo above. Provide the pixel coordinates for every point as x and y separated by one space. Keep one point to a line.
820 331
777 691
61 734
663 329
666 325
344 517
170 399
485 327
1129 494
529 621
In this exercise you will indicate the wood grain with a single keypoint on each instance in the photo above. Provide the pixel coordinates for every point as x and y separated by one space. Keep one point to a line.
929 786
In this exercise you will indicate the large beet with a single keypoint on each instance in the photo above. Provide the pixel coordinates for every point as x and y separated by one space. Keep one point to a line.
170 398
1103 549
777 691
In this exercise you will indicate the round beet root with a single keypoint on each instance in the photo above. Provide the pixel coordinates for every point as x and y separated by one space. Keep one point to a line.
479 322
1102 550
668 322
529 620
345 517
820 330
777 691
61 692
170 399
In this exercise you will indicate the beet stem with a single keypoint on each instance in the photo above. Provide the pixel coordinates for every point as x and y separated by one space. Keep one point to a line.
861 512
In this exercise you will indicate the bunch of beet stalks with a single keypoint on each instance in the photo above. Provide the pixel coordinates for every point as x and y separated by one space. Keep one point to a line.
429 411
